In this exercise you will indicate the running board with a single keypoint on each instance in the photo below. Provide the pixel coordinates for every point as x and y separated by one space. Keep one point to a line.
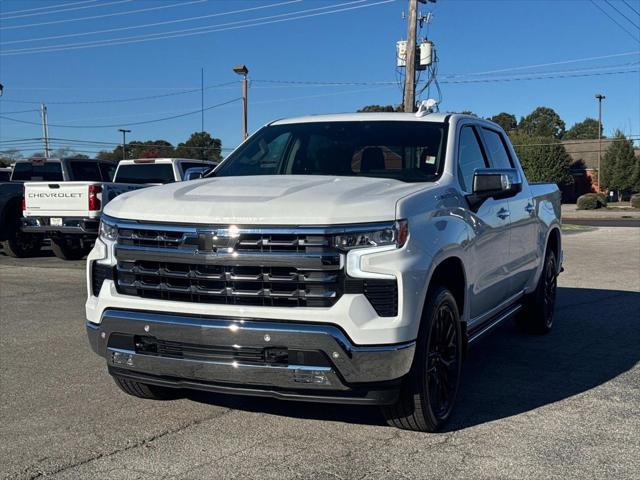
493 322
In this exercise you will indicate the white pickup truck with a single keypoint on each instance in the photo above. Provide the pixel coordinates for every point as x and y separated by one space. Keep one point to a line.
338 258
68 212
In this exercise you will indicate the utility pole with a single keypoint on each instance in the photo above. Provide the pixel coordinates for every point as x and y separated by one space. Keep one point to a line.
244 71
599 97
202 99
45 129
124 141
410 77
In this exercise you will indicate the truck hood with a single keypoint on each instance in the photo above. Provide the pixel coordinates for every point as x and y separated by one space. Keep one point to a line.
266 200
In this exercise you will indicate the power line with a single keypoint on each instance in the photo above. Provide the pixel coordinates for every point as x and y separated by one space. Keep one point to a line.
452 80
68 9
355 83
21 111
167 22
614 21
196 30
549 77
550 64
124 100
531 76
622 14
629 5
124 124
49 7
93 17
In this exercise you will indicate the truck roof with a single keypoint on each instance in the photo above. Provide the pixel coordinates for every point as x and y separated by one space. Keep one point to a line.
365 116
161 160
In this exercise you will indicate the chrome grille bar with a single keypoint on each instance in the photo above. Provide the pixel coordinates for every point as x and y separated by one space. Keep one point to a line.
302 260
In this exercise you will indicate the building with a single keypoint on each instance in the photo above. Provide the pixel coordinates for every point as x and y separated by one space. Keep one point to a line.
584 166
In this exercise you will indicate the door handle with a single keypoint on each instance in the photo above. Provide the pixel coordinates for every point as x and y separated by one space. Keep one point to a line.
529 208
503 213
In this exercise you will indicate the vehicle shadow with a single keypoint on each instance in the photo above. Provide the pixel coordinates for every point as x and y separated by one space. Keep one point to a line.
595 339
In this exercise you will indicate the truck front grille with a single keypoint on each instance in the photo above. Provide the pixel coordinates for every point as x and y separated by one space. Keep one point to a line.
223 284
278 267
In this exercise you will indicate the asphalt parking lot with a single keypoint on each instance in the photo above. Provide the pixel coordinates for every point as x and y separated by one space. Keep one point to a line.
566 405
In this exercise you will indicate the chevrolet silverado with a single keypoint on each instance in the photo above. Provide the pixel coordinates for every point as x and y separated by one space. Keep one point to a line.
337 258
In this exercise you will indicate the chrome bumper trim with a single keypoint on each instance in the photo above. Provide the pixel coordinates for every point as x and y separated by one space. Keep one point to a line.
350 363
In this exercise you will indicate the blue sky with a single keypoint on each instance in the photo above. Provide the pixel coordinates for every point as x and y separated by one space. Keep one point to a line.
356 45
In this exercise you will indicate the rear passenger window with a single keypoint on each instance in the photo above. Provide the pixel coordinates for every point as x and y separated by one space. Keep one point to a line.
85 171
107 170
498 155
470 157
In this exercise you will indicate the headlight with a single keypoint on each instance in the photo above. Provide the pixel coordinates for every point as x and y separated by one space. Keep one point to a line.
108 231
394 234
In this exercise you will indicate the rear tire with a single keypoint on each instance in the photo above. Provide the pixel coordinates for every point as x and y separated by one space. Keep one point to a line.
539 306
146 391
22 245
69 249
428 393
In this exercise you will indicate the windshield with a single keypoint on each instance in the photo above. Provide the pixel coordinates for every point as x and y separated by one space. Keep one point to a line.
407 151
145 173
47 171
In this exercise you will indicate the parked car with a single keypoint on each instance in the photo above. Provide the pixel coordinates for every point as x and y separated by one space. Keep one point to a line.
5 174
68 212
341 258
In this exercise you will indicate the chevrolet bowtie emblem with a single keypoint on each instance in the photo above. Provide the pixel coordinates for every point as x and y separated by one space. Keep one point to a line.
214 241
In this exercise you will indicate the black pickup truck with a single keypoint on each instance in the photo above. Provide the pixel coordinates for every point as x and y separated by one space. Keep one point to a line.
15 243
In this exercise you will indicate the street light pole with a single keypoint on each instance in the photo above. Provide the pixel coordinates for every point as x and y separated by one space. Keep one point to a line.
244 71
124 141
599 97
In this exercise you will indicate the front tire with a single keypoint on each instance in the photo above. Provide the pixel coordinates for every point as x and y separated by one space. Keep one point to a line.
538 310
144 390
69 249
428 394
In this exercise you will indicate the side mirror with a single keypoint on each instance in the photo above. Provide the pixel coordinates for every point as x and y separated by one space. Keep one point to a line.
194 173
494 182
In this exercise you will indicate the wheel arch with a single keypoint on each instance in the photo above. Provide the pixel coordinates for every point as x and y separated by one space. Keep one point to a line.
554 243
450 273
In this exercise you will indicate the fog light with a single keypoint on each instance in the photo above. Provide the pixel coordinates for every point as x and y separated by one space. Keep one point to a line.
122 358
316 377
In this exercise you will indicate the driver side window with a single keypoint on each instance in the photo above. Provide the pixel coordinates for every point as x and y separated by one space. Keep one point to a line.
470 157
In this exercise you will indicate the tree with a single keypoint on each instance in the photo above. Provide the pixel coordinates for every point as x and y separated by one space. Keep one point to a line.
544 159
381 108
137 149
619 164
507 121
201 146
8 157
636 176
584 130
543 122
67 152
110 156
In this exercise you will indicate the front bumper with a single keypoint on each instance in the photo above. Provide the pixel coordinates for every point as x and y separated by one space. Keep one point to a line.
70 225
316 362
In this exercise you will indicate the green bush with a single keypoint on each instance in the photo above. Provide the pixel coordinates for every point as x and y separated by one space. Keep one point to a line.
590 201
603 199
635 200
